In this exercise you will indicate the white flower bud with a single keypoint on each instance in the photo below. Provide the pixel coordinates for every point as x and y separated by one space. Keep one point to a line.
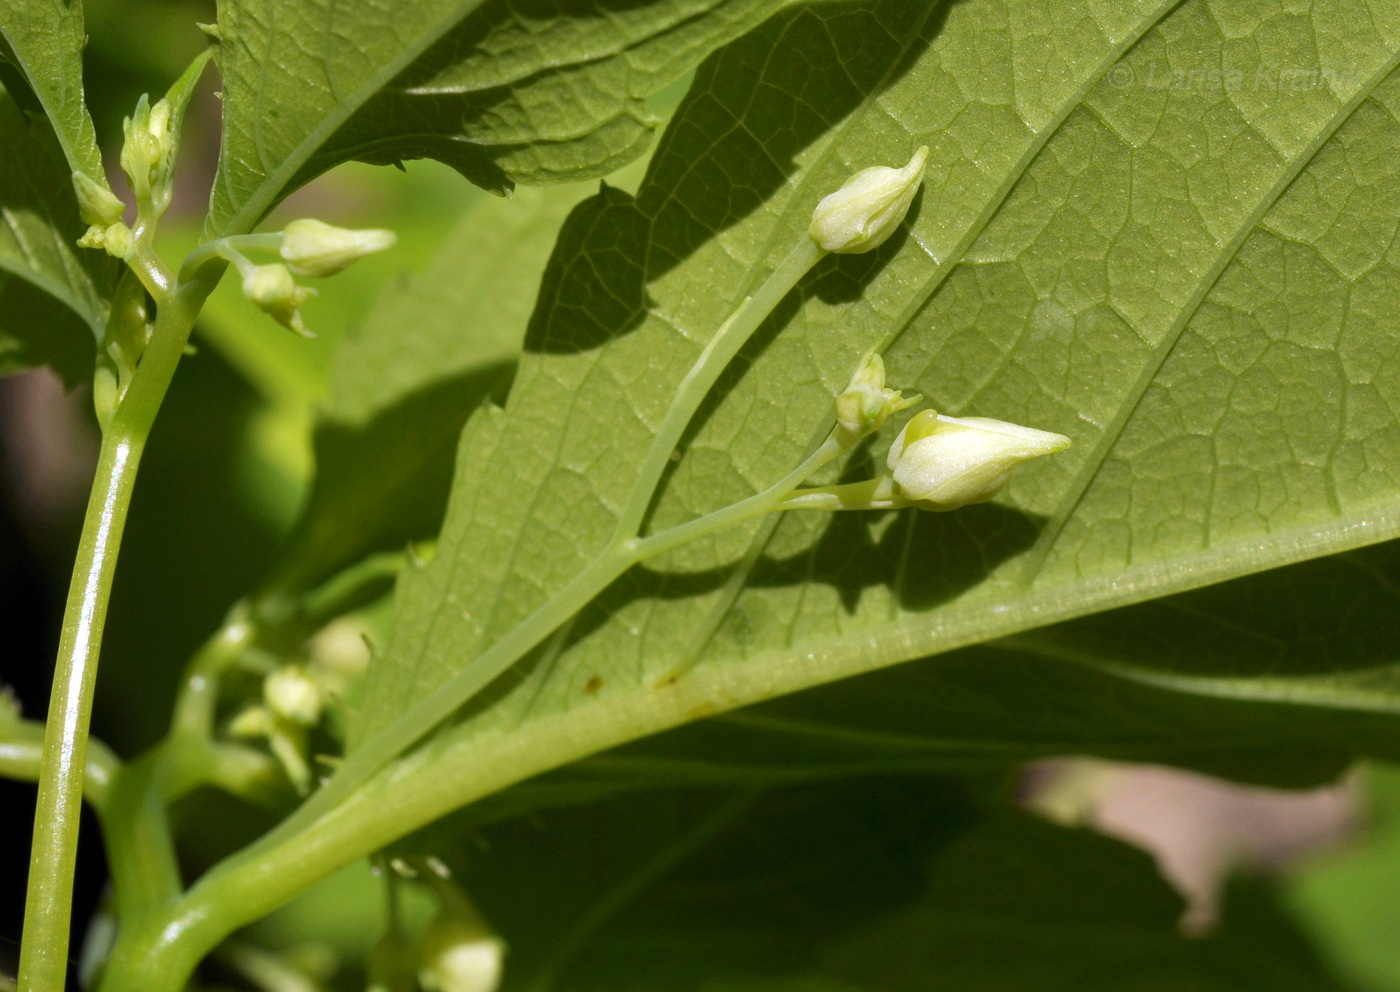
293 694
948 462
459 954
97 205
274 290
868 208
866 404
311 248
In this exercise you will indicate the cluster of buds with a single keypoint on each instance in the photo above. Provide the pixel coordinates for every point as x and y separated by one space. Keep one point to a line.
936 462
101 210
293 701
307 248
148 153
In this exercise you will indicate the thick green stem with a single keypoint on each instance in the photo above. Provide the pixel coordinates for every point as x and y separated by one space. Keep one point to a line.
140 850
48 902
22 754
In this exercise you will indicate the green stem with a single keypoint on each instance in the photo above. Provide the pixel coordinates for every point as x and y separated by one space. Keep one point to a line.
44 952
621 553
698 382
48 902
199 690
772 498
140 850
228 249
22 753
291 856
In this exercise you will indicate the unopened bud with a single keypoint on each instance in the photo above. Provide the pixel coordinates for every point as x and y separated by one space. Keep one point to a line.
274 290
948 462
293 694
97 205
866 404
311 248
148 152
868 208
458 953
255 721
115 239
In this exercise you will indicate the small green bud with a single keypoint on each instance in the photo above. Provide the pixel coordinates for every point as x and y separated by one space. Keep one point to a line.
274 291
948 462
97 205
866 404
312 248
148 153
868 208
291 693
255 721
115 239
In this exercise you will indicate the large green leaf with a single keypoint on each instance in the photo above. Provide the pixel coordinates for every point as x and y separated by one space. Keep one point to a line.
1195 281
535 91
51 292
433 347
45 39
887 883
1276 678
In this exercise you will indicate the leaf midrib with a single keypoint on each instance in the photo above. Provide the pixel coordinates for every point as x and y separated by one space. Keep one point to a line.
464 765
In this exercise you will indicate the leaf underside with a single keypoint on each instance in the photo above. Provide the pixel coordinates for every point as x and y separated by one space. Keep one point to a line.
44 39
51 292
886 883
431 350
1195 280
504 91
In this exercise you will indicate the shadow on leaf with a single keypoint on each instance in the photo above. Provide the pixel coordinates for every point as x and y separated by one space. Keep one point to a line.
614 245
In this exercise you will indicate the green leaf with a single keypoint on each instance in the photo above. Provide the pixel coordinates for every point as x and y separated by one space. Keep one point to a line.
1347 897
432 349
1196 282
44 39
1269 679
52 305
886 883
501 90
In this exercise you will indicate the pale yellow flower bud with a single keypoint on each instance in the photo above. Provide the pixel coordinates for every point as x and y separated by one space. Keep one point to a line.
458 953
948 462
274 290
866 404
255 721
293 694
868 208
311 248
115 239
97 205
148 153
